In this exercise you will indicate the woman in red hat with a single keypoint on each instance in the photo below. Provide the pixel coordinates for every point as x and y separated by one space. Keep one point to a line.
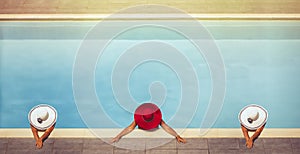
147 117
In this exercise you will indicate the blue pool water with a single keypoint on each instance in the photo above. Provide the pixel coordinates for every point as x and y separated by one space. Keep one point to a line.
261 58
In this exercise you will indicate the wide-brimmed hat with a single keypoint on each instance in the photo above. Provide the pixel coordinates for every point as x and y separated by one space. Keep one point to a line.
42 116
253 116
147 116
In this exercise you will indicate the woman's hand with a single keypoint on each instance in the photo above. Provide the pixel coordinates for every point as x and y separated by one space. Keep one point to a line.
39 143
116 139
249 143
180 139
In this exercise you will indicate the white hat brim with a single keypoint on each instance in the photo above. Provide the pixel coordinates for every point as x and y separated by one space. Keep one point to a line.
33 115
262 119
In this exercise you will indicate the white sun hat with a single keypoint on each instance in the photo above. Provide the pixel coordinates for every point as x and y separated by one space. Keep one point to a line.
42 116
253 116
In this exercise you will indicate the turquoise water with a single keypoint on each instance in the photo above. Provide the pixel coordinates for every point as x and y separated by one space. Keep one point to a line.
262 60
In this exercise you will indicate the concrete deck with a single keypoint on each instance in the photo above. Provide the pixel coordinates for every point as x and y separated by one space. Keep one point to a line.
194 146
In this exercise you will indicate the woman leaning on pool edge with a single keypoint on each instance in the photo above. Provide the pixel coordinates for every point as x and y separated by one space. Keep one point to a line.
252 118
148 117
42 118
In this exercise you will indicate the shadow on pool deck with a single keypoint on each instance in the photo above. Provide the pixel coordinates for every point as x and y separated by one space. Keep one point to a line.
193 146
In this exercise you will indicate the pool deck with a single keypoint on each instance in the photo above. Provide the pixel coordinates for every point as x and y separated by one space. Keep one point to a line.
79 141
110 6
99 9
193 146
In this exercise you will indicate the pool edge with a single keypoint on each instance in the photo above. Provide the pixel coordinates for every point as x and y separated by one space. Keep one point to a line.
188 133
211 16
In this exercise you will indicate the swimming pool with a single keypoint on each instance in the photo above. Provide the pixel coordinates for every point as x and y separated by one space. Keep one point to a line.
261 60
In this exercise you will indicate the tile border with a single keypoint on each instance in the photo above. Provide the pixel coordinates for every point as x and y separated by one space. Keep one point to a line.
211 16
187 133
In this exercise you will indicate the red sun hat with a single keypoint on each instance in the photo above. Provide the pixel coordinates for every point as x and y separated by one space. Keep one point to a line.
147 116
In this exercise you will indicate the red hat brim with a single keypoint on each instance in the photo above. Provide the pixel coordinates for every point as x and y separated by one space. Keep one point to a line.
143 110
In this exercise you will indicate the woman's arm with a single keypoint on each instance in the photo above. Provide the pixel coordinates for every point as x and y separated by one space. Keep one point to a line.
47 133
126 131
172 132
245 132
35 133
257 132
249 142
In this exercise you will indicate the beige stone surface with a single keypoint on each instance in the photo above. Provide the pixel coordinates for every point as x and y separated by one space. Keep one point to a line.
111 6
160 133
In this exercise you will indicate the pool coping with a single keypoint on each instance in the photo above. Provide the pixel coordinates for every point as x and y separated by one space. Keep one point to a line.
239 16
160 133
